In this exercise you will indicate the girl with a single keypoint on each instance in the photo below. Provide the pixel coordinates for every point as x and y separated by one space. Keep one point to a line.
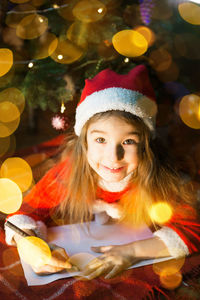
112 167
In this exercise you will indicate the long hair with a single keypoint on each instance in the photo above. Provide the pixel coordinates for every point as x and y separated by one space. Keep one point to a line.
154 179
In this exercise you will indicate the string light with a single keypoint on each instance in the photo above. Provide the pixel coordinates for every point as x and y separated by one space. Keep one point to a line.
126 60
55 6
30 65
62 109
60 56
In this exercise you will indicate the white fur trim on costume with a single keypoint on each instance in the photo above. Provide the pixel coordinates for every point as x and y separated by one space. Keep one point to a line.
172 240
112 209
116 98
101 218
24 222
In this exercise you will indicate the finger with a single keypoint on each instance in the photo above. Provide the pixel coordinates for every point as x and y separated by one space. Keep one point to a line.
92 266
114 272
101 270
46 269
101 249
56 262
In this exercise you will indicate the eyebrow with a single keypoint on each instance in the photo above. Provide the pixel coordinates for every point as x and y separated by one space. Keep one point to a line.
128 133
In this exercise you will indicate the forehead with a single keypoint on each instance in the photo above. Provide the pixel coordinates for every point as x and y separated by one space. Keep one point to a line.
110 123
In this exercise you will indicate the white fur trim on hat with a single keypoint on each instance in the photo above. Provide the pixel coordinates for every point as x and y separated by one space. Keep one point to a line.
172 240
24 222
115 98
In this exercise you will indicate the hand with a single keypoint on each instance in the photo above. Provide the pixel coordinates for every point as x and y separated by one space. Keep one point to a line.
57 263
114 260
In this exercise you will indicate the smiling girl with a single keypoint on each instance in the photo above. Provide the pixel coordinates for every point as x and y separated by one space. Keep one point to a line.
114 168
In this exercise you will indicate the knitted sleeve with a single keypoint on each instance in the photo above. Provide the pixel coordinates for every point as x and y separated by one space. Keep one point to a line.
38 204
182 233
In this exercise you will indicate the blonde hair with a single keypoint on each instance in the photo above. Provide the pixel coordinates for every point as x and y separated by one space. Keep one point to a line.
154 180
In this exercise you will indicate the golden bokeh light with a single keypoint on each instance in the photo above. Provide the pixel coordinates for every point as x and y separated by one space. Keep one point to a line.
32 26
15 16
8 112
4 145
9 128
65 11
34 251
189 110
173 264
89 10
160 59
45 45
148 34
6 79
130 43
160 212
67 52
190 12
77 33
10 196
170 278
14 96
19 171
6 60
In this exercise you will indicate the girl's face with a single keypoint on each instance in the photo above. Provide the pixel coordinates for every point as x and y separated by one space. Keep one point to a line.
112 148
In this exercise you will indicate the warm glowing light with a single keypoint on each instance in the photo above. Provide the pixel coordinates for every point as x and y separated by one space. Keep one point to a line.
7 129
14 96
34 251
62 109
18 170
10 196
8 112
30 65
78 34
126 60
67 52
160 212
31 27
170 278
4 145
173 264
147 33
89 10
160 59
190 12
129 43
6 60
45 45
18 13
55 6
60 56
189 110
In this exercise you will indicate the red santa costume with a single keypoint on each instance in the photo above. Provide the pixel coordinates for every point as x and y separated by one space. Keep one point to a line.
133 93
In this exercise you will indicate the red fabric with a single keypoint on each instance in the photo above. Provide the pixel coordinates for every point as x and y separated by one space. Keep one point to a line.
137 80
50 190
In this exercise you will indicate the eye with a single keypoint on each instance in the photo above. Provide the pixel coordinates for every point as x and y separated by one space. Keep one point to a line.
100 140
129 142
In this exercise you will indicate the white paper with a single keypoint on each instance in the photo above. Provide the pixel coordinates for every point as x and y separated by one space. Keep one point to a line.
77 242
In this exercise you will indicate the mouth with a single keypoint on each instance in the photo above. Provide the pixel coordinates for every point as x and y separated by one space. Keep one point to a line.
114 170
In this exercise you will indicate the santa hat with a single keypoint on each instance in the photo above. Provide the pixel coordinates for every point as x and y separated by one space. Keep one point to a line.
108 90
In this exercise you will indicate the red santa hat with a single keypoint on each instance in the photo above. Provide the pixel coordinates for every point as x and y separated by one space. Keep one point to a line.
108 90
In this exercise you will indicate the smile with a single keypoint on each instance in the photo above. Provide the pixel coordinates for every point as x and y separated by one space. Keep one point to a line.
114 170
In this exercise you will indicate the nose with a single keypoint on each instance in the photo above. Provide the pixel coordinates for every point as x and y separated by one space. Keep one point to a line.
116 153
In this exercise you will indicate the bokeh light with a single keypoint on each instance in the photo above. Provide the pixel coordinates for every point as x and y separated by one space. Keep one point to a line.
4 145
170 278
148 34
8 112
129 43
77 33
34 251
67 52
32 26
6 60
189 110
45 45
65 10
160 59
19 171
14 96
8 128
160 212
15 16
190 12
10 196
89 10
